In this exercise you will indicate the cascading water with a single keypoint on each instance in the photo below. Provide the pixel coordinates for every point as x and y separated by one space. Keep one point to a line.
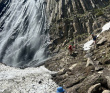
23 37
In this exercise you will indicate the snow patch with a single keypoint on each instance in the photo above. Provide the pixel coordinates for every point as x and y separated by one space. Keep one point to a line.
87 45
106 27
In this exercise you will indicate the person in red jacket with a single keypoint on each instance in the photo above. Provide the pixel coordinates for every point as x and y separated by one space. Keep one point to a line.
70 49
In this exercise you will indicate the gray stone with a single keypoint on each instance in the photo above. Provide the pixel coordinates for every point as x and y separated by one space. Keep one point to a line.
102 41
89 61
108 81
106 91
74 65
62 71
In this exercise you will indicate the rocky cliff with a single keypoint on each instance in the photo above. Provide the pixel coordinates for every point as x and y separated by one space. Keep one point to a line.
79 74
65 8
76 19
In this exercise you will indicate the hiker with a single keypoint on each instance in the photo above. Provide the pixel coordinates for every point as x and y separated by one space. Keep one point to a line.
94 37
60 90
70 49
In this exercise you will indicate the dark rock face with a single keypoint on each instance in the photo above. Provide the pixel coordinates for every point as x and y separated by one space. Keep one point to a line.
4 3
64 8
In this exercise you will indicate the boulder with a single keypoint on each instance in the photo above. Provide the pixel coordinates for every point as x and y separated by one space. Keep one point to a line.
108 81
74 65
98 68
89 61
106 91
94 88
102 41
61 72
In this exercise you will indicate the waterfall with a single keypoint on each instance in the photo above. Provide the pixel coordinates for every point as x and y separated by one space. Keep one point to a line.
24 36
